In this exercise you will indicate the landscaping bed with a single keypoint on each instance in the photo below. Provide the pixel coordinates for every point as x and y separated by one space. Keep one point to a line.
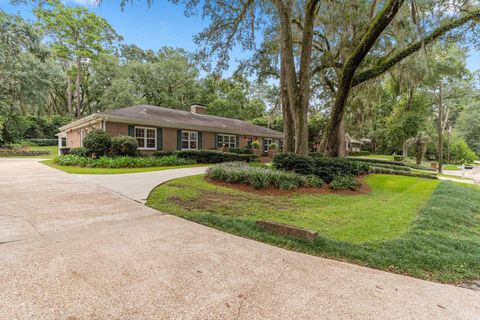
421 227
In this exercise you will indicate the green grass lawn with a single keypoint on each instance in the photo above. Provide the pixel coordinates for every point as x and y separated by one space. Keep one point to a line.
83 170
425 228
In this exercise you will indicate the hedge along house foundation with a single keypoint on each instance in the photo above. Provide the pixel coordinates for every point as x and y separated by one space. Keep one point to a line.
166 129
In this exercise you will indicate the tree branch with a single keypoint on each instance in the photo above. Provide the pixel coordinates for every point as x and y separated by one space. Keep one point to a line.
381 67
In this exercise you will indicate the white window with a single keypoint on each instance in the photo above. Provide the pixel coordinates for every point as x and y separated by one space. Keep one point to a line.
189 140
146 138
266 144
226 141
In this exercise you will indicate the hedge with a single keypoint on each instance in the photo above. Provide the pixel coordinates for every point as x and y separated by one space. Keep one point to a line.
380 170
21 152
260 178
389 162
121 162
324 168
211 156
42 142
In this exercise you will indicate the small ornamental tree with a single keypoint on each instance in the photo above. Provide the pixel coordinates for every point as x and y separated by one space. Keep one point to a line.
97 143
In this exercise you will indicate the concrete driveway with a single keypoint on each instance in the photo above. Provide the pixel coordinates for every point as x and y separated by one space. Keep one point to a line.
71 249
137 186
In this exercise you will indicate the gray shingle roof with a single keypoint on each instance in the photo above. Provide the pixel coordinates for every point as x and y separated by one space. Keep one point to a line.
185 120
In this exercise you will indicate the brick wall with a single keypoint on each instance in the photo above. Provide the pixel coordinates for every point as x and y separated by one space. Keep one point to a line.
169 139
208 140
117 129
74 136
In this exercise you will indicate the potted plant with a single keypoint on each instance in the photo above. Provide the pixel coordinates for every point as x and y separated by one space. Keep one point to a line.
256 147
272 150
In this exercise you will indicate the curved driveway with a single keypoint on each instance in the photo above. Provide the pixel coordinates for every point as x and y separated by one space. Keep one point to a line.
71 249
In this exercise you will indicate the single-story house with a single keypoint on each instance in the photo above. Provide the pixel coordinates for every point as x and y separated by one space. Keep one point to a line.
352 145
159 128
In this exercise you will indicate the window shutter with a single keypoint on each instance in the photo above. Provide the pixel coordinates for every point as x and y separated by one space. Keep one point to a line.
131 131
264 143
215 147
159 138
199 146
179 139
237 141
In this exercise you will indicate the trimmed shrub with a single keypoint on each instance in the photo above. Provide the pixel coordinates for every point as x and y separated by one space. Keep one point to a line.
344 183
121 162
241 150
380 170
369 160
211 156
81 152
124 146
398 158
162 153
42 142
324 168
15 152
97 143
313 181
360 153
259 178
389 166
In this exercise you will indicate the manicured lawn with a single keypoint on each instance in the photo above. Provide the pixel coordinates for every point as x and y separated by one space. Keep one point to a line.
425 228
83 170
449 166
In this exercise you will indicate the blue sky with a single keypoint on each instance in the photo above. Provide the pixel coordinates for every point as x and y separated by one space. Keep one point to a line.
163 24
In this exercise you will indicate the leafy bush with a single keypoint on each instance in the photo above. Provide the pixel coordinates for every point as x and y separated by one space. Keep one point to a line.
162 153
15 152
256 144
324 168
380 170
97 143
360 153
398 158
313 181
344 183
211 156
241 150
121 162
81 152
369 160
124 146
42 142
273 146
259 178
389 166
461 153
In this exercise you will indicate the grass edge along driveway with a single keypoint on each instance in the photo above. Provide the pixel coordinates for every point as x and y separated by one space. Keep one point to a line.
441 243
84 170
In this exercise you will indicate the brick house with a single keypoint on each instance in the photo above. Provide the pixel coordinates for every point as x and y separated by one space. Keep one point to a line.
158 128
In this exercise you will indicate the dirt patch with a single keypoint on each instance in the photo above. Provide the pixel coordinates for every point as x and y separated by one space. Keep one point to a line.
325 189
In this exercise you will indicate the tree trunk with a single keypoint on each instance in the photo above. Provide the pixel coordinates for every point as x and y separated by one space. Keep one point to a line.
342 151
288 125
381 21
405 148
440 129
69 94
78 84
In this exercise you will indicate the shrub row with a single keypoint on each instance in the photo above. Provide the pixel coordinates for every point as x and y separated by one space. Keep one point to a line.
388 166
21 152
42 142
380 170
241 150
381 161
121 162
344 183
261 178
360 153
324 168
209 156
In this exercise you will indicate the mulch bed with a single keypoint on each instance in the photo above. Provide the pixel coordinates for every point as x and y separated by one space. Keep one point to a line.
271 191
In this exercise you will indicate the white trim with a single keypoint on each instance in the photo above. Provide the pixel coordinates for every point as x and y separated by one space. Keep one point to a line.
145 137
189 140
229 136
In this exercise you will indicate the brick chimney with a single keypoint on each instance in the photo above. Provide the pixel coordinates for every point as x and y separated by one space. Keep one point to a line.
198 108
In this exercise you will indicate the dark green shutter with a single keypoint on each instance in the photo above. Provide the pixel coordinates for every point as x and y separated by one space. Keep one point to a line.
179 139
237 142
199 147
215 141
159 139
131 131
264 143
